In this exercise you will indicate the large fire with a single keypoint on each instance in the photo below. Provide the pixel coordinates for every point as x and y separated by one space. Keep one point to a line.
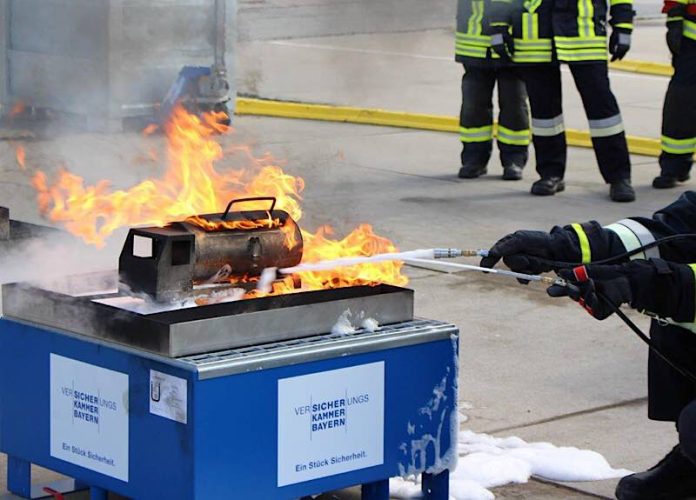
193 185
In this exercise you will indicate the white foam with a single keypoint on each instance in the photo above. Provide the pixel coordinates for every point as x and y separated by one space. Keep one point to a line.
486 462
265 283
343 325
370 324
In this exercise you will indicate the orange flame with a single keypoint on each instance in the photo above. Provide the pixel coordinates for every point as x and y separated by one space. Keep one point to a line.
21 157
193 185
245 224
18 108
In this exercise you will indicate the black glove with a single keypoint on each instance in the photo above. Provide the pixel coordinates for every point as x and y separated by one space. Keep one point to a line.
663 288
502 43
534 252
609 282
675 34
619 43
523 252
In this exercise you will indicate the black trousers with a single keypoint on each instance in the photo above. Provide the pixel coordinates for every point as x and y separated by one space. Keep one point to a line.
669 392
679 114
476 116
548 130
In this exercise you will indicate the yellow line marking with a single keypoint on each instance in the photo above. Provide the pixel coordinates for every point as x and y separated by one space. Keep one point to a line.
368 116
643 67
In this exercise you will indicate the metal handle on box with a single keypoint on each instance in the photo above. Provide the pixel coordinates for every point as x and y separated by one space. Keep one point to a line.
272 199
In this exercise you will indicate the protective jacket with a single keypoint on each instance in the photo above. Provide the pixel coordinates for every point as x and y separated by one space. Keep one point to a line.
682 9
570 31
669 392
473 42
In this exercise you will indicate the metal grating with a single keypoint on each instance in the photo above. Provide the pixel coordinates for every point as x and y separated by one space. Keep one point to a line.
306 349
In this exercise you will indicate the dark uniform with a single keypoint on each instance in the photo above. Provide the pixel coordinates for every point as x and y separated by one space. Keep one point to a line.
679 110
547 33
481 72
671 396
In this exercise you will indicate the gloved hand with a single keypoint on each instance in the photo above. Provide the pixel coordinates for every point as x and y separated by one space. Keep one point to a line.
663 288
588 283
675 34
522 251
502 43
619 43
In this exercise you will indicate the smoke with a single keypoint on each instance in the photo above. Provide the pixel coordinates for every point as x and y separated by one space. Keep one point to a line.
48 260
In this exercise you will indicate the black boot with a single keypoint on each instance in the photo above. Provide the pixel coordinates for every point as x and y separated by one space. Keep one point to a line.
472 172
663 181
622 191
547 186
673 478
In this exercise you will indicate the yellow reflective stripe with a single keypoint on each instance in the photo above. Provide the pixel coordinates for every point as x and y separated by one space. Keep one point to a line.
476 134
539 44
619 2
532 5
530 26
571 42
689 29
478 40
585 14
476 19
584 243
627 26
678 146
542 57
582 55
512 137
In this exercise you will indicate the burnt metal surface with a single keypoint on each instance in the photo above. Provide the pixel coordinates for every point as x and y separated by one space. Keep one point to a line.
174 258
70 306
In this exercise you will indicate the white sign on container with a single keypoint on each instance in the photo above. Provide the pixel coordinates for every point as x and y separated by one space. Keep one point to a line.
168 396
330 422
89 416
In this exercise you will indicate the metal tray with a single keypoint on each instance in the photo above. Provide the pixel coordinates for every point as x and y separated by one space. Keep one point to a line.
71 306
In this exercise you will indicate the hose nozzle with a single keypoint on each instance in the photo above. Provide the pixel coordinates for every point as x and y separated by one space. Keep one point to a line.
453 253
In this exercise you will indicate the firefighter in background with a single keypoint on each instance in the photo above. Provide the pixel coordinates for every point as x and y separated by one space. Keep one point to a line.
679 109
481 72
541 34
659 280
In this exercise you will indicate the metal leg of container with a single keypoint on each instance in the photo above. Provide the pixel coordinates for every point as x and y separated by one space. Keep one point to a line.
19 477
379 490
436 486
97 493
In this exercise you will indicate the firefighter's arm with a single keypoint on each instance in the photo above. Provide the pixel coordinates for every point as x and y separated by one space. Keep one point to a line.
626 235
665 289
621 15
675 10
501 13
527 251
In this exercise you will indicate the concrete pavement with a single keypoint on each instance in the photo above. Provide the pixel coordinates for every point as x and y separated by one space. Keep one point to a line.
530 366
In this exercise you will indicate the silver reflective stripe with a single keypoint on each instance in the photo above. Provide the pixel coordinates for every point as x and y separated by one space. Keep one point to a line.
548 127
635 235
606 127
625 39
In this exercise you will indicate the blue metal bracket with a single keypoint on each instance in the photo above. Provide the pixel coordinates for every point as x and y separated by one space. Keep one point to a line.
379 490
19 477
435 486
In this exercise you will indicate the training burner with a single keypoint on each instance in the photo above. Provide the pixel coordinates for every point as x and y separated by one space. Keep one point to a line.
92 305
232 247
